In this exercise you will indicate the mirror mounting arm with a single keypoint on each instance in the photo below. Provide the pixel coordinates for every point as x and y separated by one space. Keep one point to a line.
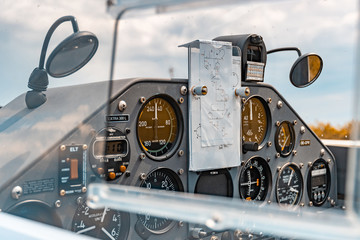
51 31
285 49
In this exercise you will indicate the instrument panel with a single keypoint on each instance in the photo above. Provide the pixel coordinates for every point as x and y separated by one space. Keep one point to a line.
143 141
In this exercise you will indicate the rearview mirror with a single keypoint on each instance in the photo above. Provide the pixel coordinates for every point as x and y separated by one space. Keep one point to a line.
306 70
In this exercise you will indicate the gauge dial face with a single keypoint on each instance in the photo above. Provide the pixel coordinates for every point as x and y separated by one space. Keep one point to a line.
158 127
289 185
100 223
163 179
215 182
319 180
254 120
285 138
255 179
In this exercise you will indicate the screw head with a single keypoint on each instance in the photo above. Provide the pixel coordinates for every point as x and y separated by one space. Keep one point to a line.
142 176
57 203
183 90
269 100
122 105
142 156
62 147
181 171
85 147
181 100
181 153
279 104
62 192
84 189
142 99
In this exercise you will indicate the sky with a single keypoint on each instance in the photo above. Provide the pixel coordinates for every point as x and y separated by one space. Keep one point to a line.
148 45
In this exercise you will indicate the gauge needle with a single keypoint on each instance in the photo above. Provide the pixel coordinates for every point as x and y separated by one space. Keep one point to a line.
283 146
291 175
247 183
251 113
293 190
103 216
156 123
107 233
86 230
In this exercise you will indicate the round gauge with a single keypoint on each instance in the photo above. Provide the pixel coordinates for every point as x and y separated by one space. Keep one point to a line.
159 127
255 118
289 185
38 211
163 179
110 153
319 181
285 138
255 179
215 182
100 223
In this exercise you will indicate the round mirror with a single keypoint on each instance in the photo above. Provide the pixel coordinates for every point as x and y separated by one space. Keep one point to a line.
72 54
306 70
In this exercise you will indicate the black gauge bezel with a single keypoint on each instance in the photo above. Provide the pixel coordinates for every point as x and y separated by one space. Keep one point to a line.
230 187
298 172
179 133
36 208
292 139
125 221
180 185
114 161
268 119
328 178
268 175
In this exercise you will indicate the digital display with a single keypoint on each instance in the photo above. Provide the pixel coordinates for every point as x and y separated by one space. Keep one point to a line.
318 181
104 148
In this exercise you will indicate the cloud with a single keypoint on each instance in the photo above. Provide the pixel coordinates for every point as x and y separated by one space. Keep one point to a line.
147 44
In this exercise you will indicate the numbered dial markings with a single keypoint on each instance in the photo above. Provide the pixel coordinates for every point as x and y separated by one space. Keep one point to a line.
289 185
158 127
100 223
255 179
163 179
254 120
285 138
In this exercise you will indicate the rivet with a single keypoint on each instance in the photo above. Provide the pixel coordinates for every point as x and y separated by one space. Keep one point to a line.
62 147
84 189
279 104
85 147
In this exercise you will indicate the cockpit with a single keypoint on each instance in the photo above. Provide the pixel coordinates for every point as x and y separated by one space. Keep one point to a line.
179 119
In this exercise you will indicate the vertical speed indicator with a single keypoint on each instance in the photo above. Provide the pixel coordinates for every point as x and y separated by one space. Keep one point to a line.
158 127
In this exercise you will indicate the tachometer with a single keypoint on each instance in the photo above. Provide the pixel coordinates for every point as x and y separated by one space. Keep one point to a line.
285 138
255 118
158 127
289 185
100 223
255 179
163 179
